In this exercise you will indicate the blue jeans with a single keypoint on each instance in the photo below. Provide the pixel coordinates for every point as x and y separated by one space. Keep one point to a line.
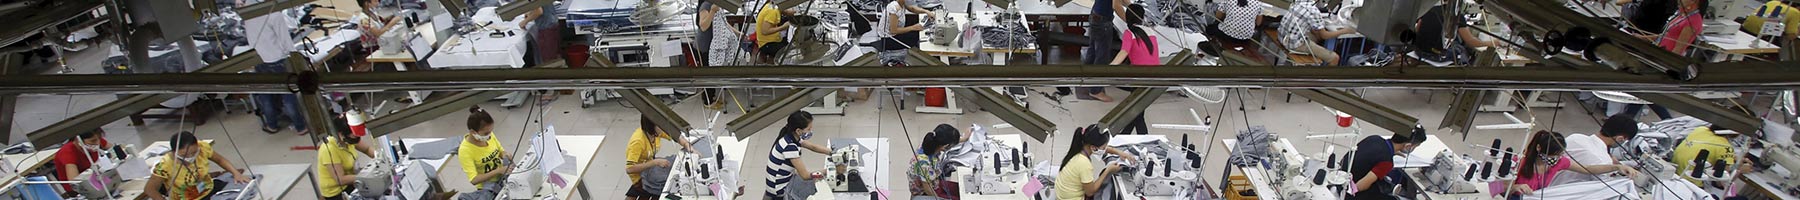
275 106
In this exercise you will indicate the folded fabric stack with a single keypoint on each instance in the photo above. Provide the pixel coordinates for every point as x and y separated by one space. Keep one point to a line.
1007 35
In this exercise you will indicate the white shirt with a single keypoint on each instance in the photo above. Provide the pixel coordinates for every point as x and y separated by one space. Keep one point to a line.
1587 149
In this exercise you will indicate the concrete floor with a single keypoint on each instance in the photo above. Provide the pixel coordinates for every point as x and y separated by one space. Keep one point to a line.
238 138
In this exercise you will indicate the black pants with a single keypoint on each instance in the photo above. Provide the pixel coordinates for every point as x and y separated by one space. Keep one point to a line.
217 184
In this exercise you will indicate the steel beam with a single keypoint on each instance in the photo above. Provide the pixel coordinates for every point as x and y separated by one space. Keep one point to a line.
30 22
428 110
1130 108
1738 120
1722 76
1002 106
1362 109
1532 12
126 106
259 9
654 108
774 111
1461 116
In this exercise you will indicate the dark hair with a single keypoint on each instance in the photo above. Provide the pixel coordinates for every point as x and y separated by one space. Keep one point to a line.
479 118
1620 125
183 140
649 127
1417 136
1134 16
943 135
1542 143
1088 136
795 122
91 134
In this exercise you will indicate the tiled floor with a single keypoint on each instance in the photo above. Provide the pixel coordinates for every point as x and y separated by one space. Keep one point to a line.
238 138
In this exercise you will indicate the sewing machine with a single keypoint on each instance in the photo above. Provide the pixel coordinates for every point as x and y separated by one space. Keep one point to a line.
845 169
374 179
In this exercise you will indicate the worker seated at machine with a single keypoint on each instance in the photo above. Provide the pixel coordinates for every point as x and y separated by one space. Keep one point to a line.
1432 44
185 173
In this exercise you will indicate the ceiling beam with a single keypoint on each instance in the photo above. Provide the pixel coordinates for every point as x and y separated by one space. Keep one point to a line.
25 23
774 111
1461 116
1129 109
1706 110
1002 106
1720 76
432 108
1362 109
125 106
654 108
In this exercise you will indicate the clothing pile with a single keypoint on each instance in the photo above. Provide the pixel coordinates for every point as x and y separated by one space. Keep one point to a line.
1252 147
1007 35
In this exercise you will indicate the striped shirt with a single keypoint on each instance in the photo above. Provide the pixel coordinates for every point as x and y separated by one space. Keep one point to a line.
781 171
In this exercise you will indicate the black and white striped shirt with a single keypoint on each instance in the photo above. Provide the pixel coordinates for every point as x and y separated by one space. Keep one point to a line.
781 171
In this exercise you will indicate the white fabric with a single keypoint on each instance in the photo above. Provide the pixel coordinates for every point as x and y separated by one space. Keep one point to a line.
1591 190
325 45
481 51
1587 149
269 36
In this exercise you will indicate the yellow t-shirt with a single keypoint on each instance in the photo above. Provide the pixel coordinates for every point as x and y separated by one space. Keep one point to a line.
1790 17
641 149
1075 173
186 181
771 17
333 152
477 160
1703 138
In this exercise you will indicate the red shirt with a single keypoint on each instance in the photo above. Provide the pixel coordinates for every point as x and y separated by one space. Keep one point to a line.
72 153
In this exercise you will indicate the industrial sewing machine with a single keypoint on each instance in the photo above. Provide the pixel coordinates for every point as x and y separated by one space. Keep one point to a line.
845 169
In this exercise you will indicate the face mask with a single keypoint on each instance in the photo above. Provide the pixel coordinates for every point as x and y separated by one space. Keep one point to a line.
482 138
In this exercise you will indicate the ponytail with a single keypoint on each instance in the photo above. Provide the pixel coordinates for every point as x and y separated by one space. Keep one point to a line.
479 118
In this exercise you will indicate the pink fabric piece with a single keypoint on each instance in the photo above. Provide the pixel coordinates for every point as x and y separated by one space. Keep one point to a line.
1138 53
1541 180
1686 21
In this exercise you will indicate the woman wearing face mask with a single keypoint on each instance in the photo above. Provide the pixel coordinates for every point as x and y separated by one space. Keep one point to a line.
337 160
79 154
784 157
185 173
927 172
481 156
1077 180
640 155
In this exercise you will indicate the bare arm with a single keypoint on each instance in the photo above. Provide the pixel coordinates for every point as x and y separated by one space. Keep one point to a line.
69 172
800 169
1366 182
153 188
1469 38
814 147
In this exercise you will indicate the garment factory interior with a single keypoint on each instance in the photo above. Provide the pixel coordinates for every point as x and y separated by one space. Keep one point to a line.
900 99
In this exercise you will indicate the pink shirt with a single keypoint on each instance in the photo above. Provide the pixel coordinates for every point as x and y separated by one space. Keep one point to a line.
1539 181
1688 21
1136 51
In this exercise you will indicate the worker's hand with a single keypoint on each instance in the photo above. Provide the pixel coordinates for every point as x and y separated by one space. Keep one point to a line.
660 162
239 176
1628 171
1521 189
